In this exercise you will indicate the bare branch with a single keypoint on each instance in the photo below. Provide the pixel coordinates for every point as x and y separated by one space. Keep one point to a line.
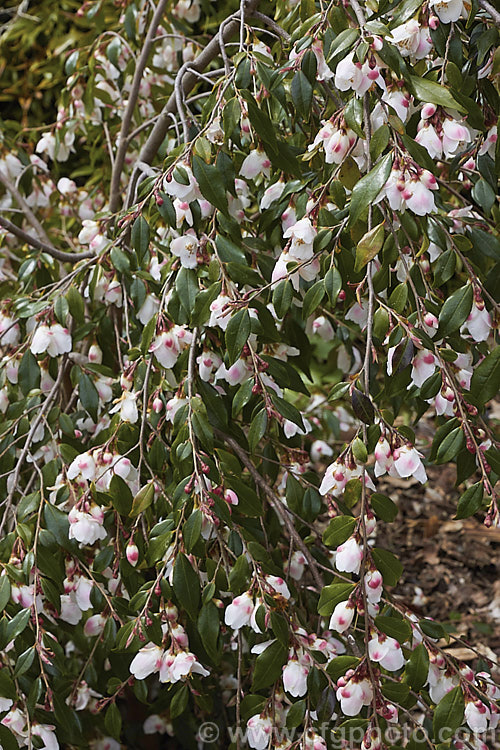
43 246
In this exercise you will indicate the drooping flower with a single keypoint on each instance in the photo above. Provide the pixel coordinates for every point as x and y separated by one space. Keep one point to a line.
348 556
342 617
185 248
239 612
54 340
147 661
86 526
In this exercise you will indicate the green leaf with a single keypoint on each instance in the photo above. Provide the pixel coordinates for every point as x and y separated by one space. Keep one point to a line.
313 298
257 429
209 628
282 298
362 406
17 624
417 668
239 575
88 395
383 507
432 629
140 236
388 565
339 530
339 666
430 91
113 721
455 310
338 390
191 531
395 692
237 332
448 715
470 501
368 246
451 446
24 661
4 592
333 284
186 586
28 373
7 739
333 594
394 627
211 184
142 500
296 713
179 702
485 382
302 94
367 189
268 665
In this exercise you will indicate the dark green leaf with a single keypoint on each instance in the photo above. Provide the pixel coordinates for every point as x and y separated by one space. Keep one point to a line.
237 332
449 714
268 665
455 310
339 530
485 382
211 183
470 502
186 586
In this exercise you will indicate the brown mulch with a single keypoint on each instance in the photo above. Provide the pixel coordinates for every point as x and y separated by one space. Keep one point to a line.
451 568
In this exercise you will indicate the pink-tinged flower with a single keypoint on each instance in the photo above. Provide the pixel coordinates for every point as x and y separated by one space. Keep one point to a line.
353 696
313 741
185 248
157 724
10 332
353 75
175 666
239 612
70 612
15 721
448 11
348 556
358 314
132 553
279 585
208 362
47 734
148 309
271 194
455 136
23 595
147 661
186 193
489 144
259 731
219 313
342 617
423 366
320 450
323 71
302 234
323 328
387 652
172 407
421 200
297 565
407 463
338 145
477 716
86 528
234 375
373 586
429 139
168 345
94 625
295 678
82 466
399 101
406 37
257 162
54 340
126 407
479 323
383 457
5 704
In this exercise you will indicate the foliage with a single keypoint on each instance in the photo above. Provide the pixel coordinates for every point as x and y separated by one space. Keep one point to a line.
243 258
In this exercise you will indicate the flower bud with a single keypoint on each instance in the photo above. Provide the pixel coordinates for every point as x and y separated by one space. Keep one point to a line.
132 553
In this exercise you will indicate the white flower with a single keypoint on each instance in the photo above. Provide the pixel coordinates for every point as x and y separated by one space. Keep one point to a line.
320 450
148 309
219 315
52 339
147 661
70 611
448 11
387 652
183 192
47 735
407 462
84 466
348 556
479 323
86 528
155 723
185 248
302 234
257 162
295 678
353 696
175 666
477 716
342 617
279 585
297 565
239 612
127 406
10 333
168 345
353 75
94 625
373 586
259 731
423 366
271 194
406 37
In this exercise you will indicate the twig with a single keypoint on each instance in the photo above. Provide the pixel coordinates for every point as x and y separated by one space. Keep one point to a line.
39 245
114 199
488 7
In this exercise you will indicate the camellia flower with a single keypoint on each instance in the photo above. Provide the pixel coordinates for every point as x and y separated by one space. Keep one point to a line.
279 585
148 309
219 315
353 693
239 612
54 340
336 142
86 526
448 11
174 666
373 586
387 652
354 75
10 333
337 475
423 366
271 194
406 37
342 616
348 556
257 162
407 462
259 730
479 323
168 345
302 234
477 715
147 661
185 248
295 675
185 192
127 407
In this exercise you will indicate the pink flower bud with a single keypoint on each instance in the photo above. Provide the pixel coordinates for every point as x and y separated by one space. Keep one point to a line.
132 553
157 405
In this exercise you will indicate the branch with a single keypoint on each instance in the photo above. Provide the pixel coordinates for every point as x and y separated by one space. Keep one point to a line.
30 216
275 503
43 246
494 13
157 135
272 25
132 100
